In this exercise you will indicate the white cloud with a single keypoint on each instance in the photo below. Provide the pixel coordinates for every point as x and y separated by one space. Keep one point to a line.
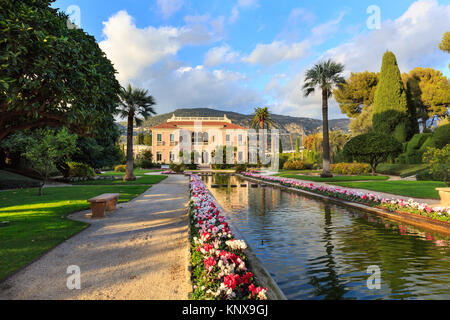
325 30
132 49
220 55
199 87
277 51
169 7
413 37
301 14
241 4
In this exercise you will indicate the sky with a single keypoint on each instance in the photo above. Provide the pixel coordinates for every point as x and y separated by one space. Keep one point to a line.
236 55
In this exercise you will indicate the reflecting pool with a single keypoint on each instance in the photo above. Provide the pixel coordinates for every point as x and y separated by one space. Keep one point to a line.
315 250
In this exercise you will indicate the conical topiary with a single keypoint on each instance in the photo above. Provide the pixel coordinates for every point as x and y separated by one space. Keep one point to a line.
390 108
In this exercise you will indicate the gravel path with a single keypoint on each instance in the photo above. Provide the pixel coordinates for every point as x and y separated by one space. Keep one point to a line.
139 252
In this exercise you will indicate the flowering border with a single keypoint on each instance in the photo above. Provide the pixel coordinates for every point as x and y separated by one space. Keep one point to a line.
219 269
393 205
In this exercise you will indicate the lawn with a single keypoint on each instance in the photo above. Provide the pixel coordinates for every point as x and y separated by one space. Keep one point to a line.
37 224
397 169
136 172
145 180
10 180
415 189
334 179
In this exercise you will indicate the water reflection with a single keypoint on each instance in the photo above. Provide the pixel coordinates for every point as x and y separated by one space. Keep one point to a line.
321 251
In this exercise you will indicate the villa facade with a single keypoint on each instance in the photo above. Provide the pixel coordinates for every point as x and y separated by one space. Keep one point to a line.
202 135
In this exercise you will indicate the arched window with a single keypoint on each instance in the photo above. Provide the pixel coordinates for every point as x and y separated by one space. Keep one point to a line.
205 138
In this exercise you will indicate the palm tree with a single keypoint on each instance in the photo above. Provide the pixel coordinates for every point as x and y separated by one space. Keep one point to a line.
324 75
134 105
261 119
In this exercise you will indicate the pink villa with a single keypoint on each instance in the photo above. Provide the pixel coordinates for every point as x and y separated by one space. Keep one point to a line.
199 134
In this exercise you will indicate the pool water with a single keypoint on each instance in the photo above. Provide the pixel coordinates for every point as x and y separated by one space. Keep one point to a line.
315 250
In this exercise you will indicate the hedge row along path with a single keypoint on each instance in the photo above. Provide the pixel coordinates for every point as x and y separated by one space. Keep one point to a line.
139 252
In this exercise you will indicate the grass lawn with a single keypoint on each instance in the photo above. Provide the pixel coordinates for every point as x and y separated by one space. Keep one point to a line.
397 169
415 189
298 171
37 224
137 172
335 178
139 181
10 180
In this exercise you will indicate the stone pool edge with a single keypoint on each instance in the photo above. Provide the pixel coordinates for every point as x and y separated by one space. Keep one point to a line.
416 220
257 268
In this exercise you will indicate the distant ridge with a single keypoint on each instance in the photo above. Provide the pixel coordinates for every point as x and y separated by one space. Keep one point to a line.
286 124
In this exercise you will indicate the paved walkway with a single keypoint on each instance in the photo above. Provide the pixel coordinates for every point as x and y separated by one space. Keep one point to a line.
140 251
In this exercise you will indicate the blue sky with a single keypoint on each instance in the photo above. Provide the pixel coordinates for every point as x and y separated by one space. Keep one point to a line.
238 54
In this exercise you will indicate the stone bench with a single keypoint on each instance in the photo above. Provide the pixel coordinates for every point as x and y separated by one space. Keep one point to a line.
102 203
444 193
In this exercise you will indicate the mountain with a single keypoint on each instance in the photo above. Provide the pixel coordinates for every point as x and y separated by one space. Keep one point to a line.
288 126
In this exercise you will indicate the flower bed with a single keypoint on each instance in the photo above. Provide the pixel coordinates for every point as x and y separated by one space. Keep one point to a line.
218 260
410 206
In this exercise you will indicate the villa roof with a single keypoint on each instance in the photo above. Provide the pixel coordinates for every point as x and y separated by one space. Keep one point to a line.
178 124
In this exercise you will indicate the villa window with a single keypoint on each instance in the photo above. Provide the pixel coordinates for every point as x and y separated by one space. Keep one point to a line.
240 140
172 139
240 156
228 139
205 138
159 156
159 139
172 156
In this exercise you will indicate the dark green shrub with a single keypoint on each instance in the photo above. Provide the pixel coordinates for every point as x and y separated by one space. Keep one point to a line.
372 148
144 160
417 141
80 170
441 136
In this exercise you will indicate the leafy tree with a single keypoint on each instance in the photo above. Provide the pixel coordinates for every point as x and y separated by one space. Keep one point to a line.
363 122
391 113
297 145
438 161
356 93
134 103
97 152
326 76
145 159
148 139
338 139
372 148
46 149
445 44
51 74
429 92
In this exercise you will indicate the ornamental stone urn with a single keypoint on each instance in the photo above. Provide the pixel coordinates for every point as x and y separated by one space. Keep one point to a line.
444 193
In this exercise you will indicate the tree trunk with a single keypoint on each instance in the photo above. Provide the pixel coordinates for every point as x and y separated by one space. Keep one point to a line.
129 176
41 189
326 173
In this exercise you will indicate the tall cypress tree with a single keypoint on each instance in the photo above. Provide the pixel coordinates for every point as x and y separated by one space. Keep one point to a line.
390 108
